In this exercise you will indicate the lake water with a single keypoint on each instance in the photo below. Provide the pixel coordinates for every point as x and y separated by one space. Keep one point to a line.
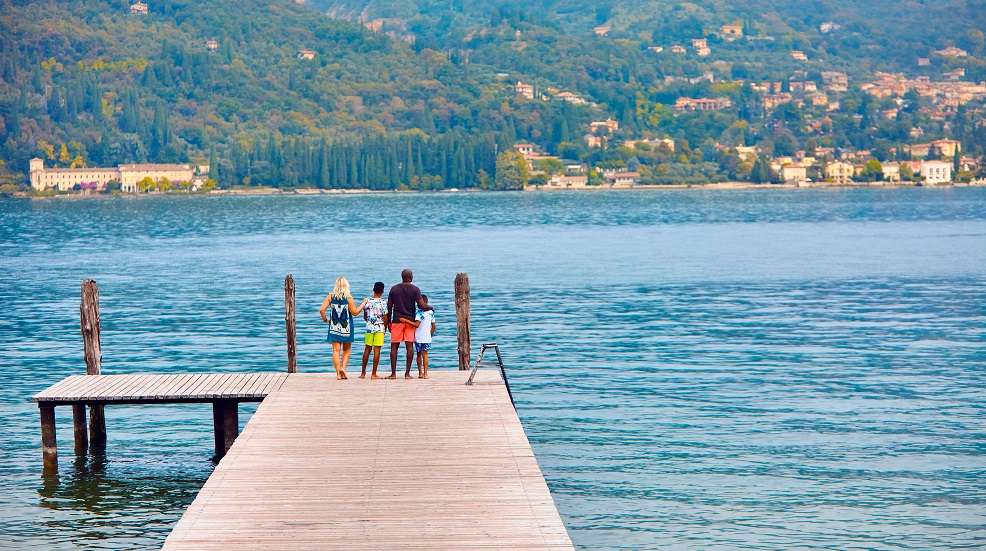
695 369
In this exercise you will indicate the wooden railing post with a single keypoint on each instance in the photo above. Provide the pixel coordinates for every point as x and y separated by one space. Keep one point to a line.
89 319
462 319
289 322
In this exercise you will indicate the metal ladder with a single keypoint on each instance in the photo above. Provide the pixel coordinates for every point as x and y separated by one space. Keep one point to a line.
499 362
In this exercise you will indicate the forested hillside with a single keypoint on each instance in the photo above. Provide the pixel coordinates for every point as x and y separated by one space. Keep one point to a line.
419 93
91 83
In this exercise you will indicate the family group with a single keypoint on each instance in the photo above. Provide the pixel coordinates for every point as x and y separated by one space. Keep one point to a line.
405 314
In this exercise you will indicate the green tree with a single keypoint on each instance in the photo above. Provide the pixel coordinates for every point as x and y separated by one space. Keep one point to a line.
872 171
761 171
511 171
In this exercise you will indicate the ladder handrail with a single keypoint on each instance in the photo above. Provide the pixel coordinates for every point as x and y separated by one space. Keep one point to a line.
499 360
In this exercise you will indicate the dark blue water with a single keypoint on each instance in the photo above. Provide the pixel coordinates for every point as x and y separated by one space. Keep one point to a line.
730 369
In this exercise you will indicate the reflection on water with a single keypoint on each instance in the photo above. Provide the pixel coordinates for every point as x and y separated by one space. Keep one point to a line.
694 369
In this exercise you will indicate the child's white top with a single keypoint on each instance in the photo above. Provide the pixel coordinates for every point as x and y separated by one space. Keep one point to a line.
423 333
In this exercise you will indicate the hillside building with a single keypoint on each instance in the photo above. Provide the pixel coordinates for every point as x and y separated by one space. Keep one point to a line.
702 104
138 8
731 31
66 179
601 30
794 174
524 90
569 97
212 44
835 81
936 172
594 142
306 54
609 126
839 172
951 51
798 55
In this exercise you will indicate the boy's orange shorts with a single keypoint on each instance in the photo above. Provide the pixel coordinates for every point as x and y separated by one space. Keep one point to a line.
401 332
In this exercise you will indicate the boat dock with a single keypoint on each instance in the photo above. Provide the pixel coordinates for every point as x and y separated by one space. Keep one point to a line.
353 464
359 464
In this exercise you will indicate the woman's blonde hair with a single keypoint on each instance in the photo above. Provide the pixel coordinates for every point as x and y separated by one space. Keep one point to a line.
341 289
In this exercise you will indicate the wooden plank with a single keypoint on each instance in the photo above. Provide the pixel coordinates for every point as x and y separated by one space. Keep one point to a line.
199 389
162 387
72 382
132 382
194 380
274 383
56 388
106 388
168 388
257 385
245 390
213 386
439 465
83 383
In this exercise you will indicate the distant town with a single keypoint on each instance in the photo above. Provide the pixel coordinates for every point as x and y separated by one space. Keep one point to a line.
793 125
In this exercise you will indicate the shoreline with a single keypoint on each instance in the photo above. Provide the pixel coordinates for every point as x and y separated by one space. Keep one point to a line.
301 192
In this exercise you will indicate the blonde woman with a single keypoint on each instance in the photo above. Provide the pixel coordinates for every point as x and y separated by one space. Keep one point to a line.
341 308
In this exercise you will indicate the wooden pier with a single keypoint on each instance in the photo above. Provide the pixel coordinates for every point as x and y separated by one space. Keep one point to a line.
337 464
224 390
359 464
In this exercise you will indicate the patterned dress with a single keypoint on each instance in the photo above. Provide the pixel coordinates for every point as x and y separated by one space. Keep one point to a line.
340 321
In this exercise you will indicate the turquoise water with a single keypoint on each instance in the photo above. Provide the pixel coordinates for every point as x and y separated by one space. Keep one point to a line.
695 369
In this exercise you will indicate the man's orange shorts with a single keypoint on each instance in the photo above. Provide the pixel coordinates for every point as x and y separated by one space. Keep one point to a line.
401 332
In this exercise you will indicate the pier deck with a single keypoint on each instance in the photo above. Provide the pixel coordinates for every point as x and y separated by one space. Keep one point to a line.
359 465
148 388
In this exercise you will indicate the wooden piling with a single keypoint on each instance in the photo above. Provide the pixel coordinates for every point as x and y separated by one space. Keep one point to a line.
49 446
289 322
80 429
89 320
225 425
89 317
462 312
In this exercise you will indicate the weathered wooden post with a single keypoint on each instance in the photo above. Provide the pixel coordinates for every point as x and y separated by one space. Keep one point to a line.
89 317
79 423
290 323
462 319
49 447
225 424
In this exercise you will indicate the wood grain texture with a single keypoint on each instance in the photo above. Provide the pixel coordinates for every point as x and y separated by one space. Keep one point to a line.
360 465
146 387
289 323
89 321
462 314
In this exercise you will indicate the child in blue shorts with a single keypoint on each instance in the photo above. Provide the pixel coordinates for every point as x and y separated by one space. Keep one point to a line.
424 329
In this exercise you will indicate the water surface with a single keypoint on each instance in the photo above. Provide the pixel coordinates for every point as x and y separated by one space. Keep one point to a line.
695 369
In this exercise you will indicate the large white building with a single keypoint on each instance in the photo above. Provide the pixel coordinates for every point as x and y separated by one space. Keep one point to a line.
66 179
936 172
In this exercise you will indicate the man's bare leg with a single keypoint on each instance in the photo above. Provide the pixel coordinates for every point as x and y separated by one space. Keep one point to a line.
409 346
376 362
366 358
394 347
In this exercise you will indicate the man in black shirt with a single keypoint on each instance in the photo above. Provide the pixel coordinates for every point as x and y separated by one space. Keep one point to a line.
401 301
